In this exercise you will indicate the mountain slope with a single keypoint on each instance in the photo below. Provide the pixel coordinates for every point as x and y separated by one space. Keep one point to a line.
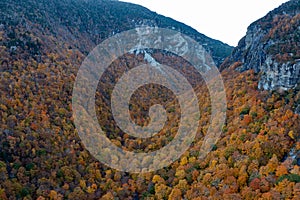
84 24
272 47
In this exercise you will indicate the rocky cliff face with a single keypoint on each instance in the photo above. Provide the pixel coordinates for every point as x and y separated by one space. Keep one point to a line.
272 48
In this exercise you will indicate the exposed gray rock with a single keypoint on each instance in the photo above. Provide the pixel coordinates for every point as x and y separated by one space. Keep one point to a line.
279 75
297 110
271 49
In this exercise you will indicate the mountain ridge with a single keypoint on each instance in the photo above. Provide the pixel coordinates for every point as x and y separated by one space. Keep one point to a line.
84 24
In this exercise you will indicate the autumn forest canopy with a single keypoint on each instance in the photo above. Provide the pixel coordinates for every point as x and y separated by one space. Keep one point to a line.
42 46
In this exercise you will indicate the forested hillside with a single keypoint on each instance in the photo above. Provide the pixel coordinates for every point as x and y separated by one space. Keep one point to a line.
42 45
